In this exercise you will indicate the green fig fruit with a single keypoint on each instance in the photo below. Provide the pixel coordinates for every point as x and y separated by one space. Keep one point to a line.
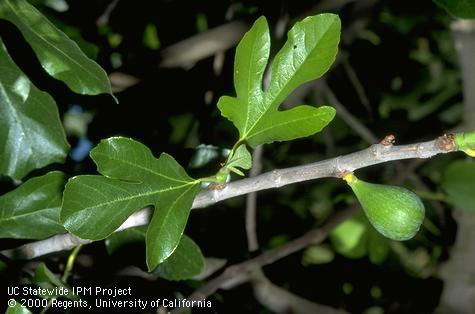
395 212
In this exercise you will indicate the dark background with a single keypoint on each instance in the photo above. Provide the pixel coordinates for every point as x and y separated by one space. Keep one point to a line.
403 55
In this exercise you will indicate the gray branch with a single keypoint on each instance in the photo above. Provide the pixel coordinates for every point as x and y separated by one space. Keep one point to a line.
334 167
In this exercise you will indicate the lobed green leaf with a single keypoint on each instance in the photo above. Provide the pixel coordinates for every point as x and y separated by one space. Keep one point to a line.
95 206
310 50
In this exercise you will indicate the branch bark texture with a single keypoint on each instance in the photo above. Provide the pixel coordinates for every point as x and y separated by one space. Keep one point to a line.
333 167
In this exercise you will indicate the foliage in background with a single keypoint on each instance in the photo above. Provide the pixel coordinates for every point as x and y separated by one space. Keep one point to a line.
421 89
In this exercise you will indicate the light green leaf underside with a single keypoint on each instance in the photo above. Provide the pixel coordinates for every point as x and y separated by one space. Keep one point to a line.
58 55
31 134
94 206
240 159
464 9
186 262
310 50
31 211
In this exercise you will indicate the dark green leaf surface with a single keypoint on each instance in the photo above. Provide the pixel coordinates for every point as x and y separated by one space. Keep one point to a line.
464 9
310 50
31 211
186 262
94 206
118 239
31 134
46 279
459 183
59 56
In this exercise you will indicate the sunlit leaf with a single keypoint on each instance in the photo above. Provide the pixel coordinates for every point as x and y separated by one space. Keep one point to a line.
31 211
94 206
59 56
310 50
31 135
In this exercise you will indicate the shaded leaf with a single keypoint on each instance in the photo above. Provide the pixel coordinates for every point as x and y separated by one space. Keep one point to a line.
459 183
185 262
18 308
310 49
58 55
317 254
31 135
31 211
378 247
118 239
350 238
94 206
464 9
46 279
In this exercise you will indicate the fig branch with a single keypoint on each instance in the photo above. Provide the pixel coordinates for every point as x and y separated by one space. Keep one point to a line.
333 167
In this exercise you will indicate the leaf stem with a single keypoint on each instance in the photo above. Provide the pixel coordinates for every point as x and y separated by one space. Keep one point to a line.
70 263
431 195
66 274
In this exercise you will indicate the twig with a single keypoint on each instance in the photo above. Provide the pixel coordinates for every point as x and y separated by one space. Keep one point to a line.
463 32
279 300
104 18
354 123
355 81
312 237
251 201
333 167
203 45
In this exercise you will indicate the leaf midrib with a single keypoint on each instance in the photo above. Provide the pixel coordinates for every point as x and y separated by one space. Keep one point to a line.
2 219
170 209
143 168
287 122
127 198
272 102
254 43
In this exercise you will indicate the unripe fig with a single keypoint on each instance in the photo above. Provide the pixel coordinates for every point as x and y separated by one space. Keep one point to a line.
395 212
